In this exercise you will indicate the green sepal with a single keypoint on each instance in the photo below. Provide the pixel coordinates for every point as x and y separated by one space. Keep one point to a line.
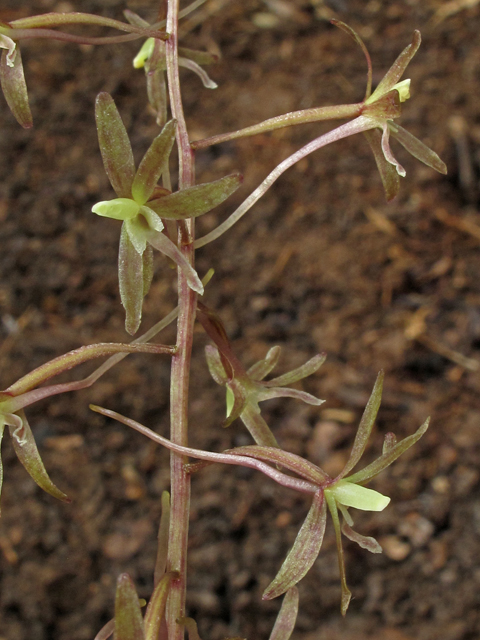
115 146
153 163
128 615
416 148
131 281
117 209
14 87
195 201
27 452
388 173
287 616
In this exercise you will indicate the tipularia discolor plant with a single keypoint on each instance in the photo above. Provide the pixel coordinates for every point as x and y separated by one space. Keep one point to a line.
147 210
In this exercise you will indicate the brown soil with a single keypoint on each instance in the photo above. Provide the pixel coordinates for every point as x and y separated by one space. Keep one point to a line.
320 264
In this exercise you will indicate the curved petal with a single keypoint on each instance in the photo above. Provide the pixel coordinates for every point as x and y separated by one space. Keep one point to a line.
163 244
14 87
262 368
285 392
388 173
115 146
365 542
299 373
416 148
387 152
304 552
215 366
346 593
207 82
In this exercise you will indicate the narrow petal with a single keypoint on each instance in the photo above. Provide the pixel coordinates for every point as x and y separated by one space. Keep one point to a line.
128 615
262 368
285 392
154 615
163 244
195 201
299 373
257 427
215 366
14 87
131 282
389 456
397 69
387 152
304 551
417 149
236 402
154 163
27 452
388 173
366 542
366 425
156 83
346 593
287 616
114 145
207 82
354 495
106 631
162 539
153 220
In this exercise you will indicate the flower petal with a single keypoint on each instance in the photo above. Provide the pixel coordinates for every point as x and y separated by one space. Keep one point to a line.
195 201
389 456
154 163
163 244
387 152
207 82
365 542
215 366
14 88
388 173
353 495
137 229
287 616
117 209
155 613
397 69
299 373
131 281
256 425
304 552
114 145
27 452
128 615
366 425
417 149
346 593
284 392
262 368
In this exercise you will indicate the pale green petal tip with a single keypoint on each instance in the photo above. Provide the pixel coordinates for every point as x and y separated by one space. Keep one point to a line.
230 401
353 495
10 45
118 209
403 89
144 54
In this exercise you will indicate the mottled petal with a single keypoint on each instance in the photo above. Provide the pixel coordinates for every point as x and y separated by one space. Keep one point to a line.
287 616
27 452
299 373
163 244
366 542
114 145
131 281
195 201
128 615
366 425
14 87
304 551
388 173
397 69
389 456
154 163
262 368
416 148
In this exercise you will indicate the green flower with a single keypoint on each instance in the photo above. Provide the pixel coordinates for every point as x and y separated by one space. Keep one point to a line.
141 205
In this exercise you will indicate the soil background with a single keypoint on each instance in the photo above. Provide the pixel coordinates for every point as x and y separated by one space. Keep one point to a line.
320 264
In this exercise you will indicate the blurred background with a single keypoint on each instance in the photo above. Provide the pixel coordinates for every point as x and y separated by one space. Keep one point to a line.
321 263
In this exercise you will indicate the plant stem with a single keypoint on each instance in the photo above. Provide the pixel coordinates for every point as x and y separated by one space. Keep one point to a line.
180 480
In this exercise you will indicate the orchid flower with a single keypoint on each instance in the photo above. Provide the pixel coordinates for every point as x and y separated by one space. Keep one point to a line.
12 77
141 205
152 58
24 392
339 494
245 389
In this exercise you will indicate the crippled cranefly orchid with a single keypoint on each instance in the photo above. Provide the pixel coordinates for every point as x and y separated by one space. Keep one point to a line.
12 78
338 494
245 389
141 205
24 392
